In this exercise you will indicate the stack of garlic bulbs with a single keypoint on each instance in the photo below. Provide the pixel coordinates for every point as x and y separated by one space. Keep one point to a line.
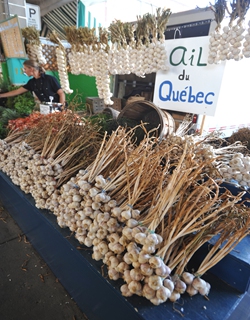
246 43
238 168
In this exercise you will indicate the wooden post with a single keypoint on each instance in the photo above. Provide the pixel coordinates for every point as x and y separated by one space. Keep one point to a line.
202 124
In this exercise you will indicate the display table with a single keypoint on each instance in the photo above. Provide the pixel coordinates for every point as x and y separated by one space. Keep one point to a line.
86 279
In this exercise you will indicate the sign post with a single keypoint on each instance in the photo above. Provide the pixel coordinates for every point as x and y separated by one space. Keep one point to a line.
33 16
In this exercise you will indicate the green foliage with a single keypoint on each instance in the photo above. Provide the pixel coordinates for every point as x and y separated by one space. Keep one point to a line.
107 123
24 103
5 116
4 85
14 107
103 121
76 102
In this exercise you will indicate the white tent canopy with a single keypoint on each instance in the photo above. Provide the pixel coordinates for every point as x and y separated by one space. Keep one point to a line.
108 10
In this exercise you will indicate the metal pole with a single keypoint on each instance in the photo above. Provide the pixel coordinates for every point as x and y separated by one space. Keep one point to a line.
4 12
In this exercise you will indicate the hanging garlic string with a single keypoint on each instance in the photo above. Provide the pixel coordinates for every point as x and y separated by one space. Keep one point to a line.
61 62
35 50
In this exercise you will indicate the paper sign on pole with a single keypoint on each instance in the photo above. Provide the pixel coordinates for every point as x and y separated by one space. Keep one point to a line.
191 85
33 16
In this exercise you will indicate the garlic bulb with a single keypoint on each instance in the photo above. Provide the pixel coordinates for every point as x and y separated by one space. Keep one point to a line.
135 287
191 290
163 293
174 296
199 283
125 291
155 282
148 292
168 283
187 277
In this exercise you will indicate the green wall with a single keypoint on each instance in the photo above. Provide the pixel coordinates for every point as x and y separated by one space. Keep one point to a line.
82 85
5 72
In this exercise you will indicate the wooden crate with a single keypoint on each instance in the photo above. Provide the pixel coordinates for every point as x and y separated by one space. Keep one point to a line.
95 104
117 103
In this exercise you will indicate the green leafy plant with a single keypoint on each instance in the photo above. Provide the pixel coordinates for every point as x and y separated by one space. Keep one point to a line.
4 84
5 116
24 103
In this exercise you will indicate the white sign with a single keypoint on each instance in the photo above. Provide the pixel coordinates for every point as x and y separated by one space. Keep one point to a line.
44 109
33 16
191 84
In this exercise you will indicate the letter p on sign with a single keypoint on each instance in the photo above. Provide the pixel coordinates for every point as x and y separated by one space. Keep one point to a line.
32 12
33 16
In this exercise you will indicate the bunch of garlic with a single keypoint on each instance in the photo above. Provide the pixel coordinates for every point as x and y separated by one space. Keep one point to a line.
79 206
14 162
123 65
139 61
224 46
238 168
134 61
195 284
88 59
74 62
214 47
119 60
155 58
161 57
114 232
31 172
113 60
4 152
102 76
39 53
235 37
116 238
62 69
45 173
246 43
200 150
35 52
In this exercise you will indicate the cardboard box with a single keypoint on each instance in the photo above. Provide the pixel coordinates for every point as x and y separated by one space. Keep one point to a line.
95 104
